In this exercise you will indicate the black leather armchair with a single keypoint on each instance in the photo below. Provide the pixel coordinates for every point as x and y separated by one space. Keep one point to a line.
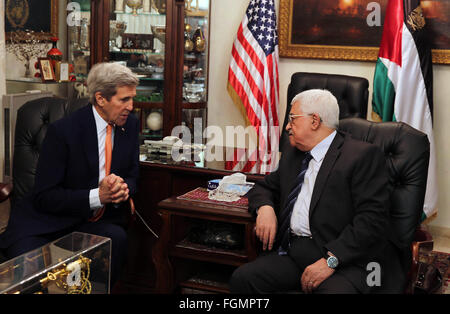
352 94
33 119
407 152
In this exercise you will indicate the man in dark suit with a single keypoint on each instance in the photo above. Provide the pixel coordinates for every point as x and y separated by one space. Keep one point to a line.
87 169
325 211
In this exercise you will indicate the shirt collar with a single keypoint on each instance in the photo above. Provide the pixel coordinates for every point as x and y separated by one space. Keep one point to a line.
319 151
99 121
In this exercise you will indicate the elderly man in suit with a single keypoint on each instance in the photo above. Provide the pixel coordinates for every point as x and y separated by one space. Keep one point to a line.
323 215
87 170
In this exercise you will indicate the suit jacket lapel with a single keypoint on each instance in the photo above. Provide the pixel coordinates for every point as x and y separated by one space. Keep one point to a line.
327 164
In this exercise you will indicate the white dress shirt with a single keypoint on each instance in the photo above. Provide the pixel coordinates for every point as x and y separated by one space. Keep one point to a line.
300 212
101 124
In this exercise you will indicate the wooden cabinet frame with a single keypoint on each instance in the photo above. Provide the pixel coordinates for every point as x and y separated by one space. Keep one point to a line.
174 58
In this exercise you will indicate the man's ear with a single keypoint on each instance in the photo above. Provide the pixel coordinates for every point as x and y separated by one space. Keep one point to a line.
316 121
99 99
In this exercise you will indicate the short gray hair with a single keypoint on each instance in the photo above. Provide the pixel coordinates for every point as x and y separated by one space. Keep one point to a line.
321 102
106 77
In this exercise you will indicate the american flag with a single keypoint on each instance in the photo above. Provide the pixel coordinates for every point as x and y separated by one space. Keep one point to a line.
240 159
253 80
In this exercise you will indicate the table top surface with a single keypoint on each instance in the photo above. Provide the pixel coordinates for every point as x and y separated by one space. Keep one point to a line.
183 204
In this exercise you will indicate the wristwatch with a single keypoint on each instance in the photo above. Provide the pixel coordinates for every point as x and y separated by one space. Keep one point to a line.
332 261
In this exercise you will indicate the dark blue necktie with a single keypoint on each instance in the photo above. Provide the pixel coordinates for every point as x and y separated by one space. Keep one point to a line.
285 215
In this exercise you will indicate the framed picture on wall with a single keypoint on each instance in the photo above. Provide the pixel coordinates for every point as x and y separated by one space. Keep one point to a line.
351 29
46 68
40 16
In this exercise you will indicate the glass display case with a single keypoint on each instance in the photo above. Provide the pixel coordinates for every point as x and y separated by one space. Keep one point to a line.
137 39
78 35
173 87
195 65
77 263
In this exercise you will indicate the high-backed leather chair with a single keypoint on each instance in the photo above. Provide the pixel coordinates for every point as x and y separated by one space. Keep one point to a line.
351 92
32 122
407 152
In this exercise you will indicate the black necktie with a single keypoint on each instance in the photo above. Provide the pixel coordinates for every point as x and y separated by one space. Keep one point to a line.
285 215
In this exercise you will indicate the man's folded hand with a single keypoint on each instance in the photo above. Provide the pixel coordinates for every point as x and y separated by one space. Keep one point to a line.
113 189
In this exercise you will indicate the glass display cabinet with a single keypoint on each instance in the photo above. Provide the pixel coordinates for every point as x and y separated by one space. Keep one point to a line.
78 263
165 42
78 38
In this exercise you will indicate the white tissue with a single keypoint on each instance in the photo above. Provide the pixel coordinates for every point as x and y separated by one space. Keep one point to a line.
231 188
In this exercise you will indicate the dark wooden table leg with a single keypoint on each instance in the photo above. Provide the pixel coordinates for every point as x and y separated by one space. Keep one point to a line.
164 271
251 241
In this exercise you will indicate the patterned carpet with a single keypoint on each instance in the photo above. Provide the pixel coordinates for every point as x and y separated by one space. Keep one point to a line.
442 262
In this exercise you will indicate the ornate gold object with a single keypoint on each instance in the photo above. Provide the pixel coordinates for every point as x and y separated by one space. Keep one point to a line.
62 277
193 9
199 40
159 6
188 44
188 5
415 19
134 5
187 28
72 278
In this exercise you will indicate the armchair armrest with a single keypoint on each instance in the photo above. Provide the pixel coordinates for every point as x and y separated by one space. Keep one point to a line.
5 191
422 243
422 234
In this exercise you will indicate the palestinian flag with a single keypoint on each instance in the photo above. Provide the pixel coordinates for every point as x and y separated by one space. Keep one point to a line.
403 81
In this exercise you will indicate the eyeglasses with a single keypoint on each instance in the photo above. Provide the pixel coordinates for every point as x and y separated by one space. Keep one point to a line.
292 116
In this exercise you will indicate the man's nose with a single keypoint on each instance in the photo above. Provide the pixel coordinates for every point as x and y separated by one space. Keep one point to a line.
130 105
288 126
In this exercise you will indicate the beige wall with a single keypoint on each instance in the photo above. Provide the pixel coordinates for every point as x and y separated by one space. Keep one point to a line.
225 18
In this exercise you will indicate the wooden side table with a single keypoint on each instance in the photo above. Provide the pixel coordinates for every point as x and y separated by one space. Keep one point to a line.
173 242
